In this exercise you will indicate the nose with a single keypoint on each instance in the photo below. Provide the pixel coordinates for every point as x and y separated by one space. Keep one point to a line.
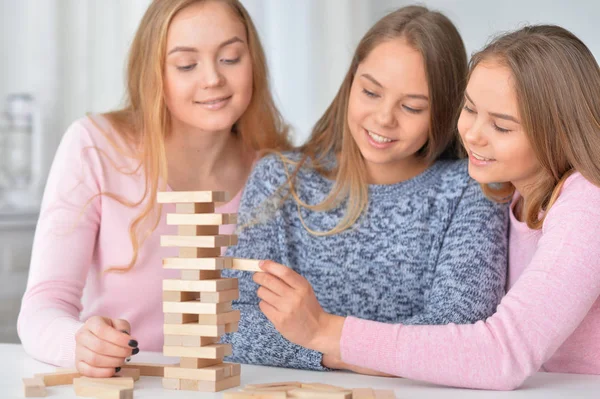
474 135
211 76
385 116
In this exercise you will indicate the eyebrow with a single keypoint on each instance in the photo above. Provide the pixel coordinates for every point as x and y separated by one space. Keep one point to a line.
376 83
496 114
234 39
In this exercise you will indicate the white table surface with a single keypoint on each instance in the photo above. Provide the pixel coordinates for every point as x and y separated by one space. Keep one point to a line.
15 365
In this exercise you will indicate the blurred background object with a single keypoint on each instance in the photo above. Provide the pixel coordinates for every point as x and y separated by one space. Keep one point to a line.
65 58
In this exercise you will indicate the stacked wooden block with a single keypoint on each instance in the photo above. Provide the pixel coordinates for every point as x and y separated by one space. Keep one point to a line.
197 306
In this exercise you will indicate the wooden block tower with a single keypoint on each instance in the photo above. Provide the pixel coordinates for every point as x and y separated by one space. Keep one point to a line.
197 306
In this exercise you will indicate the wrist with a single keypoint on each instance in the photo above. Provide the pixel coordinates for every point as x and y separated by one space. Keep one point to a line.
327 339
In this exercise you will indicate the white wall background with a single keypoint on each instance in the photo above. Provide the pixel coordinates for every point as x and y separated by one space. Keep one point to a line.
71 54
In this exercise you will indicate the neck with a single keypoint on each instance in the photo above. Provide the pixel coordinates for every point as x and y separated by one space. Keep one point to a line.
396 172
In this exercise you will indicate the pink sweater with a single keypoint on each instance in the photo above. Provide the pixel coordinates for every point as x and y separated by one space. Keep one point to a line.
549 320
75 243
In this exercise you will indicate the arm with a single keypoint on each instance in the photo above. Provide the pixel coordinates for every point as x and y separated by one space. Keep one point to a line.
544 307
257 341
470 274
62 252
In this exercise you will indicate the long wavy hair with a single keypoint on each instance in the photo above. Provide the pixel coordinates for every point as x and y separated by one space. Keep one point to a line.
557 84
144 120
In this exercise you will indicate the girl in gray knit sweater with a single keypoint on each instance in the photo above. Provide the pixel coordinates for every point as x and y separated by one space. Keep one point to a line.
375 210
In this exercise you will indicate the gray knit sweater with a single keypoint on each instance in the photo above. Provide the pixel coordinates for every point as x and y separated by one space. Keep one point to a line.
429 250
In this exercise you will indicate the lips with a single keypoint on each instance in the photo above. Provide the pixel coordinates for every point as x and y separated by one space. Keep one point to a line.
213 101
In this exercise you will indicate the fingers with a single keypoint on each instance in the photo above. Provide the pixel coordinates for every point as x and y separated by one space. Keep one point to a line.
272 283
122 325
96 359
86 338
268 296
96 372
269 311
104 329
286 274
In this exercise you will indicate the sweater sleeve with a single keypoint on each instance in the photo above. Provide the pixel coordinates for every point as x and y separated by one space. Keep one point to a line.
470 273
546 304
260 237
63 247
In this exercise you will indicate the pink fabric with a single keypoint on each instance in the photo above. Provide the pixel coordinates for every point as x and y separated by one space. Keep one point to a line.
75 243
549 319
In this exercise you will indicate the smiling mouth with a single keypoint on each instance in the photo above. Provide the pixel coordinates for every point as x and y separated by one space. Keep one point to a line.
481 158
379 139
214 101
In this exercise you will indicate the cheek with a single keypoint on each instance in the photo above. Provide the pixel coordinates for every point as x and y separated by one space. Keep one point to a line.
241 80
463 124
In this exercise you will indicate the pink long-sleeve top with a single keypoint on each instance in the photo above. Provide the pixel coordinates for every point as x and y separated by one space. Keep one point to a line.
80 235
549 320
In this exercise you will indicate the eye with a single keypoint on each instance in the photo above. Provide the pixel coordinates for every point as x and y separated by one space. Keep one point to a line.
412 110
370 93
230 61
186 68
469 110
501 130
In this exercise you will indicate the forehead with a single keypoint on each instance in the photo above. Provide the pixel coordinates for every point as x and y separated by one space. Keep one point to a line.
204 23
396 65
491 86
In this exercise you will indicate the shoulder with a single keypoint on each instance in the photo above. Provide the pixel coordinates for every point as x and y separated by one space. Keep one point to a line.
579 199
94 131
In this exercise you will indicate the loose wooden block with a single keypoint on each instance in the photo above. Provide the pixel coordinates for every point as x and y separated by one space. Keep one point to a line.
176 197
384 394
179 318
198 230
148 369
195 275
62 377
194 263
219 284
34 388
199 219
102 391
171 383
363 393
195 363
211 373
125 382
132 373
282 388
194 253
303 393
249 265
295 384
178 296
215 351
210 386
255 395
196 307
194 341
207 207
323 387
219 297
195 241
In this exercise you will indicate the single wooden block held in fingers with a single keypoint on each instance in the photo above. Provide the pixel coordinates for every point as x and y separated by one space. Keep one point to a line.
249 265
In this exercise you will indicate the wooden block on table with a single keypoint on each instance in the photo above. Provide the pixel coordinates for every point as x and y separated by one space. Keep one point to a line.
171 383
194 263
219 297
255 395
148 369
294 384
363 393
198 230
249 265
323 387
178 197
219 284
304 393
132 373
215 351
195 241
201 219
125 382
102 391
195 363
210 386
196 307
34 388
62 377
195 275
283 388
384 394
179 318
211 373
195 253
179 296
194 340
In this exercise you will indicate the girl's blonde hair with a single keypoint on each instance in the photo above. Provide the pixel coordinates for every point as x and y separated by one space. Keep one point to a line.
144 120
443 51
557 84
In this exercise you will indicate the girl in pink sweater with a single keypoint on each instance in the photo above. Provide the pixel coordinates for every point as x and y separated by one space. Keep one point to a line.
531 119
199 108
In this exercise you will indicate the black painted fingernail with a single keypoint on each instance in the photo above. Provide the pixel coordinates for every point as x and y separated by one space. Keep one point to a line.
133 343
117 369
128 359
123 331
135 351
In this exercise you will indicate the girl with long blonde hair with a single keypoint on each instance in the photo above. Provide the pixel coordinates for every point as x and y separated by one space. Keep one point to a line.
198 112
531 126
375 210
